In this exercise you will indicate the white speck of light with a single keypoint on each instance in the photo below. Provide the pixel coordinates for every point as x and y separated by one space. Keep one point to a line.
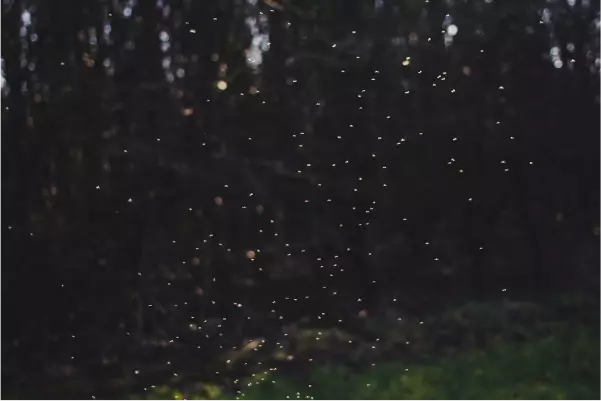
452 30
26 18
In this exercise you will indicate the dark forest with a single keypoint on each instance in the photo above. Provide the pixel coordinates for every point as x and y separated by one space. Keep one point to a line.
300 199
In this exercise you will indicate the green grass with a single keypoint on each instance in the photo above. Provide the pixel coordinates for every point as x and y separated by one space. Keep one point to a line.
565 365
491 350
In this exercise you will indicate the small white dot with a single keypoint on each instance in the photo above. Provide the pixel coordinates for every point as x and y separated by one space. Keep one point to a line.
452 30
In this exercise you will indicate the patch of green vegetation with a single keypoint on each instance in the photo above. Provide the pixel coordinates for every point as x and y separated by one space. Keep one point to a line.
564 365
492 350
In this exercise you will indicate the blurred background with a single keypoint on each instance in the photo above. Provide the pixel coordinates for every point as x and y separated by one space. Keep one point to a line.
304 199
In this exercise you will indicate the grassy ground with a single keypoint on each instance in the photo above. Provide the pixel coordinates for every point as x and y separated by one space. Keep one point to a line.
487 350
499 351
563 366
